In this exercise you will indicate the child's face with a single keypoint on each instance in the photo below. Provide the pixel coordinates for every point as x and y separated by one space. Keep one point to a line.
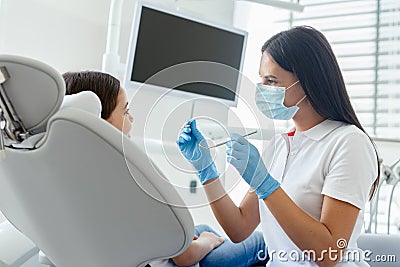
120 117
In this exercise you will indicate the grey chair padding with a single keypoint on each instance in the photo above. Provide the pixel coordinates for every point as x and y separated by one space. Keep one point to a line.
88 196
381 245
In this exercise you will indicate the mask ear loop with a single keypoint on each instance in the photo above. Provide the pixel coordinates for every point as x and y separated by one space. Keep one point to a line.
292 85
301 100
302 97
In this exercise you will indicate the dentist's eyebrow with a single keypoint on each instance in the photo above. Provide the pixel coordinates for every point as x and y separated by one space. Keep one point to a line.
126 105
269 76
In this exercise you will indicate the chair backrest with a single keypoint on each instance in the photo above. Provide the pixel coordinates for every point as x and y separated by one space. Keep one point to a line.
88 196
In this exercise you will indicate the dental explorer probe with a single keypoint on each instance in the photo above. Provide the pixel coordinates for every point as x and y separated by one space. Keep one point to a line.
223 143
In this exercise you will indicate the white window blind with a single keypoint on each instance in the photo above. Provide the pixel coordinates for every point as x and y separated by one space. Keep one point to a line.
365 36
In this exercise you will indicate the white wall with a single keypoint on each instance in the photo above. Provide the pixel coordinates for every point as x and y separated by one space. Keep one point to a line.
71 34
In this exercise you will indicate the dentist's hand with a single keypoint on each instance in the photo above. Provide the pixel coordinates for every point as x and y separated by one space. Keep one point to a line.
188 142
246 159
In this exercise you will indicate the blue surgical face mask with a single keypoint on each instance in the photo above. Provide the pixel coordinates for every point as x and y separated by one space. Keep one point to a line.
269 100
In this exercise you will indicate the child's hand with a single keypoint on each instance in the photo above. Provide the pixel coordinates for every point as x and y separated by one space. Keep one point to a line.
200 247
211 239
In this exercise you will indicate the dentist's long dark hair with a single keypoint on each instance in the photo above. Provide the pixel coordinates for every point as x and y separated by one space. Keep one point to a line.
306 53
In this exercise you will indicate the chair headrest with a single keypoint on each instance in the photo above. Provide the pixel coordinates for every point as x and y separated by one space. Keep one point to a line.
35 90
86 100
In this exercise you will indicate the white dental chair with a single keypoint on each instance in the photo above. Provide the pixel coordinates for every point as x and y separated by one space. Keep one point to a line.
74 185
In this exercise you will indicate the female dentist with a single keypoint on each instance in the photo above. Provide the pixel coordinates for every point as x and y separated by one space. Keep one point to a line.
310 199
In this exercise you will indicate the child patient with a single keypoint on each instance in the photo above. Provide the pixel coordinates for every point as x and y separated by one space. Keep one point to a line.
207 248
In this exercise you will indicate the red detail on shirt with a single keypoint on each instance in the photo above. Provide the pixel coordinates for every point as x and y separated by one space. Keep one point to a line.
291 133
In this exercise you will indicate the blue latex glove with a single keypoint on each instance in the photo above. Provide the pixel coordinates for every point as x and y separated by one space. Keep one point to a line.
188 142
246 159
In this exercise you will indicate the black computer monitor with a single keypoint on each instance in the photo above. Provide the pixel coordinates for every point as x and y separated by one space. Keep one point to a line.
162 38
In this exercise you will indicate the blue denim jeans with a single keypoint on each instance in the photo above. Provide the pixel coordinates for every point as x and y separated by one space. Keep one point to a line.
249 252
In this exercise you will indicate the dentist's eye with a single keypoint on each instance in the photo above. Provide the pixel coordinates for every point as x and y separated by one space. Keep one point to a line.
126 111
271 82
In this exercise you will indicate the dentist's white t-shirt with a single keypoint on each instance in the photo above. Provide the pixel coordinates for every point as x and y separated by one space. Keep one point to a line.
333 159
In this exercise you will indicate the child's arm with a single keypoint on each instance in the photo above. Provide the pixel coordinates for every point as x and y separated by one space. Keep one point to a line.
199 248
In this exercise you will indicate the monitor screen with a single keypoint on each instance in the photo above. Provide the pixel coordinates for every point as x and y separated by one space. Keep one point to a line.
162 39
